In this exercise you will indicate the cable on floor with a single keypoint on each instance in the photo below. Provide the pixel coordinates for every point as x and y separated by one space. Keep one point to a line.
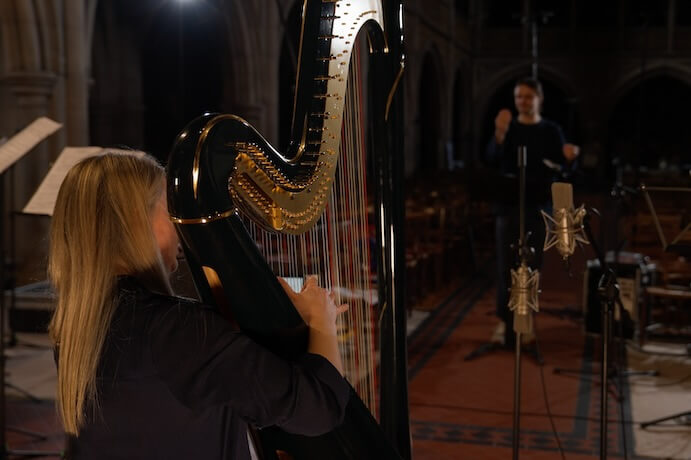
541 366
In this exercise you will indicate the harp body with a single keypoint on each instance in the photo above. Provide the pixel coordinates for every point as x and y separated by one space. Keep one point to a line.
221 168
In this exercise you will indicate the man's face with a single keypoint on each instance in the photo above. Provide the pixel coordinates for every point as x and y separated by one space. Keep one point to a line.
527 100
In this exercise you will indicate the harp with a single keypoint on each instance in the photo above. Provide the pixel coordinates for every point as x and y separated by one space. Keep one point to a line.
247 212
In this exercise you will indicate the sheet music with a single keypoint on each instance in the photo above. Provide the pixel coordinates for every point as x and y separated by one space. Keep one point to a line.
43 200
22 143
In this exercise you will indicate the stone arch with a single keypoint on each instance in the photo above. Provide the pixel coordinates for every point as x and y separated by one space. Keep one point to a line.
32 47
510 74
646 124
635 76
561 101
32 84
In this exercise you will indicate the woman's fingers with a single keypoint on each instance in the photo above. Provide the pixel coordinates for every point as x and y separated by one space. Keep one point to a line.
286 287
311 280
342 308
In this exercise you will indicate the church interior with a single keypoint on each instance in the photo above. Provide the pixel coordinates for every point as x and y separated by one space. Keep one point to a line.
600 364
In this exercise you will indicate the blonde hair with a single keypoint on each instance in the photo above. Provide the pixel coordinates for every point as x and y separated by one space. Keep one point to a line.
101 228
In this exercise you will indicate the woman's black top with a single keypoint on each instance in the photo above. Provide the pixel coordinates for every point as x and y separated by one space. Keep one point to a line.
177 382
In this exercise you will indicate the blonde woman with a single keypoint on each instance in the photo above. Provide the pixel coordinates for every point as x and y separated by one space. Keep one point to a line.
146 375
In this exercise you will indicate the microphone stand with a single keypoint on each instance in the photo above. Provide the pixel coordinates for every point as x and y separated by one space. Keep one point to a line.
617 193
524 282
608 292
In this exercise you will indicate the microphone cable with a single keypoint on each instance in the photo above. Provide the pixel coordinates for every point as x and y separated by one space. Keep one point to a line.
541 366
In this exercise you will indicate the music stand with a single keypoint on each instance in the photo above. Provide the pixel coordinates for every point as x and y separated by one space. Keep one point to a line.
676 247
10 153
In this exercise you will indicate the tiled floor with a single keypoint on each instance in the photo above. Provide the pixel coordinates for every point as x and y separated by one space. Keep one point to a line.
464 409
30 395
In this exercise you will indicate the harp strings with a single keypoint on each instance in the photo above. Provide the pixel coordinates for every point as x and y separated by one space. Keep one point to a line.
349 203
337 248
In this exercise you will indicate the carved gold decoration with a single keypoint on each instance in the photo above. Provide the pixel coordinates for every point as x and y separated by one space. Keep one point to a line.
294 206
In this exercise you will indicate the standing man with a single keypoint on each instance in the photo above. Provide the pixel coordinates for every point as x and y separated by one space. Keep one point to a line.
548 155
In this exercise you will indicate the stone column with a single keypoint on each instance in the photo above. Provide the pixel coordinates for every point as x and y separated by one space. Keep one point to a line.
76 74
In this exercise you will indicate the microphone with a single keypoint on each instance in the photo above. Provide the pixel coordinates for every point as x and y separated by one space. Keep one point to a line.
524 297
564 228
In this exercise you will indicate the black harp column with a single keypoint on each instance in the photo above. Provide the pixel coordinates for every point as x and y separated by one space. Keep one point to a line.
387 142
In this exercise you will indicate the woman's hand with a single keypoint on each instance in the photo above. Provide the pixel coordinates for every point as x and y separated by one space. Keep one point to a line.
316 305
318 309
